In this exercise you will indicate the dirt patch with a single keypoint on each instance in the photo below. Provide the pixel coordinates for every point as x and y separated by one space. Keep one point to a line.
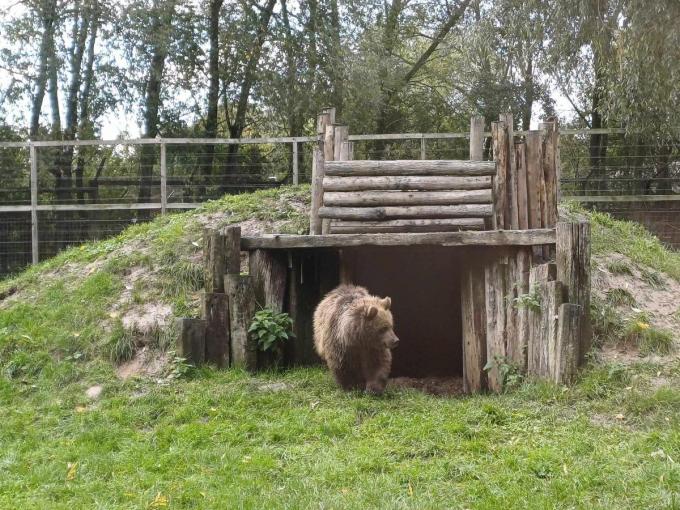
145 363
441 386
660 300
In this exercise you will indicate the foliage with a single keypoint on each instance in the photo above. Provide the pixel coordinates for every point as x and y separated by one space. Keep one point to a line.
510 374
271 329
530 301
618 296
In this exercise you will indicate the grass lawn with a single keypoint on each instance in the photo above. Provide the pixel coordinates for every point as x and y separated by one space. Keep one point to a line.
206 439
227 440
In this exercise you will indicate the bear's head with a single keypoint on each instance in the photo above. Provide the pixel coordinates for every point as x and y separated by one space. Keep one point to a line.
379 322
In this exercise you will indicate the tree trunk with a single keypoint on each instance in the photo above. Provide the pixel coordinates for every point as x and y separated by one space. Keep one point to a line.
236 128
48 16
162 25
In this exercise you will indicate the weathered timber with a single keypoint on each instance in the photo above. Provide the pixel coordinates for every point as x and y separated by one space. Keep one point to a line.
476 138
512 348
316 191
269 272
232 257
383 198
399 212
500 191
472 238
410 167
534 159
512 177
405 183
191 340
339 138
567 349
522 196
394 226
241 311
214 265
542 273
473 311
496 278
329 143
215 311
550 162
543 328
519 355
573 269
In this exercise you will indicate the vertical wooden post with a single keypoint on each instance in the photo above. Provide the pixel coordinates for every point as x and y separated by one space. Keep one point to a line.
340 136
422 148
567 351
535 185
215 311
476 138
214 265
512 177
232 249
522 197
522 268
268 269
241 312
296 170
573 269
473 309
500 191
550 171
35 254
315 222
542 345
191 340
164 179
496 278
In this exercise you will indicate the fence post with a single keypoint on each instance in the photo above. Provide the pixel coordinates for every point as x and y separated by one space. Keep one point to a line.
296 174
164 180
476 138
35 254
422 147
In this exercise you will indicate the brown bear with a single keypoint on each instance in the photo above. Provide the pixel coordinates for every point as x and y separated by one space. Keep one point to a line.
353 334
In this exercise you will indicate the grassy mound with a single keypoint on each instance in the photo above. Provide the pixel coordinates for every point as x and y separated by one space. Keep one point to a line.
75 435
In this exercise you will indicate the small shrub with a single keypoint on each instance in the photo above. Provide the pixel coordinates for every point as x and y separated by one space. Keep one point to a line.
510 374
619 267
271 329
121 344
530 301
620 297
178 368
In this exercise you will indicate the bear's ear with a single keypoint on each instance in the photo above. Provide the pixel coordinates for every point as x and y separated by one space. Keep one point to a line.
386 303
371 312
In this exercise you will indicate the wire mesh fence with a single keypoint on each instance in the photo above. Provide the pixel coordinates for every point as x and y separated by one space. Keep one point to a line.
87 190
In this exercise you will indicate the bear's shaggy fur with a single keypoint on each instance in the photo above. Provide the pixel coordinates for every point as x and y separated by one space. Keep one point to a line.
353 334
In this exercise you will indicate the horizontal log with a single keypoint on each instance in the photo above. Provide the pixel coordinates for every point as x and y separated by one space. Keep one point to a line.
465 238
405 182
411 167
443 225
378 198
418 211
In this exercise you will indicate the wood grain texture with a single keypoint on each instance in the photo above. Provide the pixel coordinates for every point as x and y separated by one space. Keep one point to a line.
214 265
568 343
405 226
190 343
269 272
316 191
401 212
405 183
473 313
496 278
384 198
410 167
215 312
241 311
232 257
476 138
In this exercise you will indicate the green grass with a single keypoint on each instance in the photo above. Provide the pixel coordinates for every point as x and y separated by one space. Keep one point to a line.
217 441
618 297
627 238
199 438
619 267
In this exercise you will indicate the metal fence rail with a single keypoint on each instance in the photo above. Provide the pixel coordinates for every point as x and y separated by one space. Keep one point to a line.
61 193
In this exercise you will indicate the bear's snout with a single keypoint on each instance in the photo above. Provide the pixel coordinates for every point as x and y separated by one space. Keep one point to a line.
394 342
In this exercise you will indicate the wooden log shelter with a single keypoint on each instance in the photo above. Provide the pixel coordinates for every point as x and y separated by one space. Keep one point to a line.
481 273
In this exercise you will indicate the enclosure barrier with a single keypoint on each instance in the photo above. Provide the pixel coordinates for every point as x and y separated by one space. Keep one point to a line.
525 286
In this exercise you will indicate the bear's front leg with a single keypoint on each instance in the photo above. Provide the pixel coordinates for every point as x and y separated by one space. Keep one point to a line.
377 368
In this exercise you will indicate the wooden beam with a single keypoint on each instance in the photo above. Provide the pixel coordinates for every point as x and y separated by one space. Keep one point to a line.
413 225
473 311
215 311
410 167
404 183
483 238
317 191
397 212
232 255
568 339
214 266
573 269
190 343
269 271
476 138
381 198
241 311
